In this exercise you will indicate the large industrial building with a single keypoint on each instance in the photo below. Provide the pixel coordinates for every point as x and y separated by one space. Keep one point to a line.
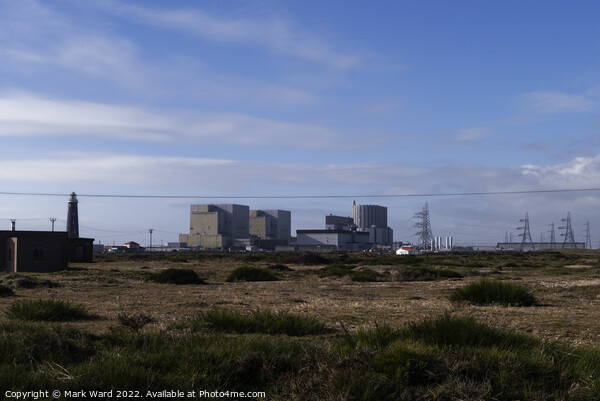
373 219
218 226
271 224
230 225
366 229
270 228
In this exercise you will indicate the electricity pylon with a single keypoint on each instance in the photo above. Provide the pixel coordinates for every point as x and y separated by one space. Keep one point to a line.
526 232
569 241
424 234
588 237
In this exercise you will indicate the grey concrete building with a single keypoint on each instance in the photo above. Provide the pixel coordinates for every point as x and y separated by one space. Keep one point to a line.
271 224
347 240
373 219
339 223
218 226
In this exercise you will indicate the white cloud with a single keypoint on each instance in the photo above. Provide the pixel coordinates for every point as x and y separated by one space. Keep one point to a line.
30 115
277 35
548 102
366 178
581 172
474 218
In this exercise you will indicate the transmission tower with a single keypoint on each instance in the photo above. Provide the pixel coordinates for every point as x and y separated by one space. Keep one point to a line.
506 237
588 237
552 239
425 235
526 233
569 241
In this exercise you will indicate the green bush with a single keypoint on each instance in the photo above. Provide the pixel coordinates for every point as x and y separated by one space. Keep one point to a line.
487 292
427 274
6 291
28 282
259 321
279 267
177 276
365 275
336 269
251 274
48 310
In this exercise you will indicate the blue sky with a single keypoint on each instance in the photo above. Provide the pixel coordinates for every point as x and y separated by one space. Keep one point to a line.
288 98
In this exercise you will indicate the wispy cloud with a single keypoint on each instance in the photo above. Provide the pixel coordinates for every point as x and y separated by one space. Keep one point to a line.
376 178
122 173
275 34
30 115
549 102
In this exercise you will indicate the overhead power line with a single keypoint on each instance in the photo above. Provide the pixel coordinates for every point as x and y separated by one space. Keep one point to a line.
417 195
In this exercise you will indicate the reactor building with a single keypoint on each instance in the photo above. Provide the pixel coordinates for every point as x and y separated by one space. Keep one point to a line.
373 219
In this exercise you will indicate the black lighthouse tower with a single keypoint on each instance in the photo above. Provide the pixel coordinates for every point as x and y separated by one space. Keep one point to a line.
73 217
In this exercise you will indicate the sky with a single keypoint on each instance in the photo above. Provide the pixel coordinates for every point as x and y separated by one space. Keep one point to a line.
236 102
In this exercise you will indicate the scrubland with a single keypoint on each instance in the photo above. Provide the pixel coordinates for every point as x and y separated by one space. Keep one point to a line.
347 326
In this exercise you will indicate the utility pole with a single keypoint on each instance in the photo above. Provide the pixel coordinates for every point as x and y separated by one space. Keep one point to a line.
151 230
52 220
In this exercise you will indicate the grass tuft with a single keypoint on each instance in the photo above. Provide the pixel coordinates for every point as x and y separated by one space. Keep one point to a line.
27 282
48 310
259 321
486 292
177 276
134 321
251 274
6 291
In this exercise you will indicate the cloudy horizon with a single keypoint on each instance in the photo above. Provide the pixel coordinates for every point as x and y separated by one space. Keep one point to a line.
287 99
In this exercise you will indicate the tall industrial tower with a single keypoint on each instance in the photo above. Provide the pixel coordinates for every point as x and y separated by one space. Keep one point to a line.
425 235
526 232
552 238
588 237
569 241
72 217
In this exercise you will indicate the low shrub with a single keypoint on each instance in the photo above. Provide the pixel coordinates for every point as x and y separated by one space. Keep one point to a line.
447 273
28 282
487 292
48 310
336 269
259 321
279 267
177 276
251 274
6 291
301 258
365 275
427 274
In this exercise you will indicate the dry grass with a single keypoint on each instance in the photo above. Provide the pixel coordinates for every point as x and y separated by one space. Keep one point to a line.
570 297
